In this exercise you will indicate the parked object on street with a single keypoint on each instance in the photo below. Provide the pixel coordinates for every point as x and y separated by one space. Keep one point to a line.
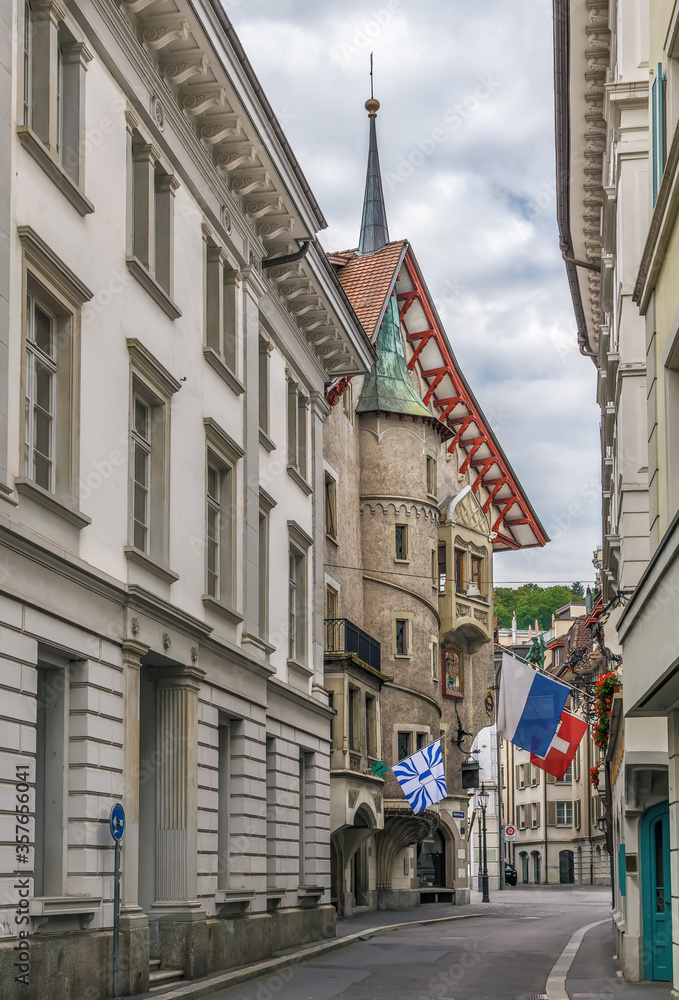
510 874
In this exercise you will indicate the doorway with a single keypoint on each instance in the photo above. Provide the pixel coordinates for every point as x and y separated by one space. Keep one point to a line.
536 866
524 867
656 893
566 868
431 861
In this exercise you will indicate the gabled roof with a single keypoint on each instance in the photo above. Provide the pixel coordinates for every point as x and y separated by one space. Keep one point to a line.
368 282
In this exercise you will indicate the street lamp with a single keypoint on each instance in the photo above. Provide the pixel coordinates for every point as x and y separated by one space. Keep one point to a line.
483 797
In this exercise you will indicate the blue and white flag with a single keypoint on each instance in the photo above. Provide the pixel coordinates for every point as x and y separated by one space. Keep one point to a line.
529 706
422 777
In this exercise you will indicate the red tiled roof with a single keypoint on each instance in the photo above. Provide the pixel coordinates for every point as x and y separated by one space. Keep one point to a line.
367 281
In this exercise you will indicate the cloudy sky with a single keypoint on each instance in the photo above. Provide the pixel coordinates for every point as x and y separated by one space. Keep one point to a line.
466 146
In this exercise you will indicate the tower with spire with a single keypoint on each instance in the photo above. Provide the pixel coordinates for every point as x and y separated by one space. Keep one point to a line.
374 231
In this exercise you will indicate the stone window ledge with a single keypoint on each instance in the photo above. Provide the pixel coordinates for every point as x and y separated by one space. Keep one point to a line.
301 667
43 909
135 555
223 609
223 370
153 287
266 441
300 480
56 173
70 513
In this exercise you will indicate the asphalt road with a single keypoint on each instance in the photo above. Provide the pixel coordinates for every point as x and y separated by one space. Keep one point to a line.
505 954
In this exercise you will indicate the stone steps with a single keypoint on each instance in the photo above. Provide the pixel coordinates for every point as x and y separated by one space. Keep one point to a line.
159 978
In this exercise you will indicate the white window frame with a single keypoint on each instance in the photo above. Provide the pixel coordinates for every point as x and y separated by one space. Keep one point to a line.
567 812
223 455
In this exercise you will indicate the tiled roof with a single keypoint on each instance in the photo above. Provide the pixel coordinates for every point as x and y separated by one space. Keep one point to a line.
367 281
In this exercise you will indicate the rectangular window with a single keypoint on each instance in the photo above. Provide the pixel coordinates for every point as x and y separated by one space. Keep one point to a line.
459 570
263 574
331 603
297 431
152 211
434 661
348 403
371 725
41 394
658 142
577 814
442 567
404 741
218 545
476 573
264 348
432 485
535 814
141 472
521 811
297 606
568 776
330 506
534 775
51 781
402 637
28 61
230 319
354 719
401 542
422 739
224 805
564 813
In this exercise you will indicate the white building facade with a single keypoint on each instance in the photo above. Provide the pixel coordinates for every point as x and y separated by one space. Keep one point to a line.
161 502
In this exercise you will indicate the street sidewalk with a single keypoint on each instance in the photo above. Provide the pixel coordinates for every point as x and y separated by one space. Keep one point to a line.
594 972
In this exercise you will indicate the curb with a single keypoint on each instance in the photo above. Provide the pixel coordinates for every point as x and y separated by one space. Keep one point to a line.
224 980
556 984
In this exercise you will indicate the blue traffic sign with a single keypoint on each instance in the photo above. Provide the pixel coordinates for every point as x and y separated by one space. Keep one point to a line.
117 821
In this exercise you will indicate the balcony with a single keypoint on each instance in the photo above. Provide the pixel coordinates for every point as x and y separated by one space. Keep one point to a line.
342 636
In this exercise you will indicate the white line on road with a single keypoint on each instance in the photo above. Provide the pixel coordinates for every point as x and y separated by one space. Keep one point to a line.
556 984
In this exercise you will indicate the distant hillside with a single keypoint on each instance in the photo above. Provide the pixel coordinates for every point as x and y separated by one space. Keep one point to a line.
532 602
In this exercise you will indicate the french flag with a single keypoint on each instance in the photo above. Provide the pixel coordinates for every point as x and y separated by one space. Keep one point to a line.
529 706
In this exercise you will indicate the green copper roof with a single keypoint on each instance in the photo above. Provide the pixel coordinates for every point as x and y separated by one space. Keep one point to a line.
388 387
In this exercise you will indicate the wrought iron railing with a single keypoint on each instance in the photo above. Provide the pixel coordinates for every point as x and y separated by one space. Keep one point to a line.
342 636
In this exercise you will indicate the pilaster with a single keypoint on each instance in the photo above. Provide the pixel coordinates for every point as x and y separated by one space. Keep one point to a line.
319 410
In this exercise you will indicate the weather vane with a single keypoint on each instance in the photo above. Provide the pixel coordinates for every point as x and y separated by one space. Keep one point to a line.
372 93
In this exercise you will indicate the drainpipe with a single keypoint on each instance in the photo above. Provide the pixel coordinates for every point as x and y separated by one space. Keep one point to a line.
546 830
288 258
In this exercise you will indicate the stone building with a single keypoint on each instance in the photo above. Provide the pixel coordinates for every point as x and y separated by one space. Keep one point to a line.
418 496
161 472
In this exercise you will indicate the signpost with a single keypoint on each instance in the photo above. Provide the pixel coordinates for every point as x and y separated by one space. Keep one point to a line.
510 833
117 826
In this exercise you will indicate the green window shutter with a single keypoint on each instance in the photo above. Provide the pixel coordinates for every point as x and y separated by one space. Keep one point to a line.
657 131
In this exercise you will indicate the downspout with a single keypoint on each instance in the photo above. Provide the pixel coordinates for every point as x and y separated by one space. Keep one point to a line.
562 135
289 258
546 829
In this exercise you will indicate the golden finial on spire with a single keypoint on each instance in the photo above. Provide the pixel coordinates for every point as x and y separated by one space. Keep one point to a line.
372 106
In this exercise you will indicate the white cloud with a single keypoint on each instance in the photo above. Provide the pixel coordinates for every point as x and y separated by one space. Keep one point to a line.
478 208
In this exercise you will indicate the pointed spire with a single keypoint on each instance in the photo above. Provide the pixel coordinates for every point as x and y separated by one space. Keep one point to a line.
374 232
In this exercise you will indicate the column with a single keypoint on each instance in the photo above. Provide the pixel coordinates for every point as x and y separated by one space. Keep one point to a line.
176 789
44 82
253 289
316 477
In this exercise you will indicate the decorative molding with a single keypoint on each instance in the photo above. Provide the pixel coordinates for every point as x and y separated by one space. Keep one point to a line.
147 365
299 535
56 173
38 253
235 617
221 441
223 370
63 508
155 290
148 562
300 480
397 507
266 500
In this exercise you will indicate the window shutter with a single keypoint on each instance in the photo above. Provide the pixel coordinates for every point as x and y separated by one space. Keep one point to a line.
551 814
577 813
537 777
537 813
551 780
517 777
658 132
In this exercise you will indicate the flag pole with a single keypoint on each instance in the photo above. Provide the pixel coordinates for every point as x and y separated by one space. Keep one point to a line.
541 670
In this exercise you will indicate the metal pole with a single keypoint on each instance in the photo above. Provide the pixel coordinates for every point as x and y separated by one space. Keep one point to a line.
116 917
486 897
479 876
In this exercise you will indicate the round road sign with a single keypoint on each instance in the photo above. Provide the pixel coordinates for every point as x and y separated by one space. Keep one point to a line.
117 821
510 832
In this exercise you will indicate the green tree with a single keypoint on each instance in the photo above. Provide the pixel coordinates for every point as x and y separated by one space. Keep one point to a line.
578 590
531 603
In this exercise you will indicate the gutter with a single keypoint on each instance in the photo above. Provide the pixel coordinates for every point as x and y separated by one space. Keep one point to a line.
563 152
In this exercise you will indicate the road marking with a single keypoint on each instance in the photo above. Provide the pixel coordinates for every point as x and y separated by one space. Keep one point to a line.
556 984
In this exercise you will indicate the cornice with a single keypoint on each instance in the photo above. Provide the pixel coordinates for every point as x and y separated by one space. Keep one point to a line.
396 504
303 700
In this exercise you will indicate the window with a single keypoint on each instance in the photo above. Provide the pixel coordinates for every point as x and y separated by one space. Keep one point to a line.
434 661
51 780
535 814
51 373
459 570
557 656
576 765
354 719
331 603
658 144
218 530
520 775
263 574
434 567
521 816
421 740
265 348
476 572
141 472
402 643
568 776
297 435
330 506
401 543
41 383
442 567
564 813
404 744
432 485
348 403
371 725
152 197
534 775
54 67
577 814
297 605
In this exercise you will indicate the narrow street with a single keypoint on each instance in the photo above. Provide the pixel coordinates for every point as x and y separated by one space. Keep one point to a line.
504 951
